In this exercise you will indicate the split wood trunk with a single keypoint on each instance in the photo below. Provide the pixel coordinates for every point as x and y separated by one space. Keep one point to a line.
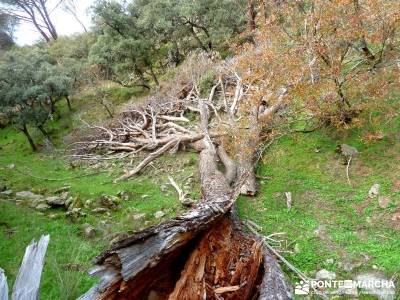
202 254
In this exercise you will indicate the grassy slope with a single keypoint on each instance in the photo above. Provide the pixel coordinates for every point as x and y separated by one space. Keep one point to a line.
19 225
308 166
304 164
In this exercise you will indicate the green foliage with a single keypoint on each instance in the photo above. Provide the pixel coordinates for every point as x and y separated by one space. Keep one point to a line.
138 36
31 82
7 24
206 83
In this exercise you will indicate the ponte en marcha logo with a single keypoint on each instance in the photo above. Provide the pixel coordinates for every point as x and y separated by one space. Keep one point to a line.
343 286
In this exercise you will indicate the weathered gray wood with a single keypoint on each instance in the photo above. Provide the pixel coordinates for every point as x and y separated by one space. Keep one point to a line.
274 284
93 293
143 263
3 286
27 284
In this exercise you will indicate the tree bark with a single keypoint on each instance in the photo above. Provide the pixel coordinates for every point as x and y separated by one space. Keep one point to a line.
68 103
201 254
25 131
153 75
251 15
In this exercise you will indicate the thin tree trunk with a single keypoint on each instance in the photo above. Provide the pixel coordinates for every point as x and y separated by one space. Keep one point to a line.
25 131
153 75
199 42
251 15
143 80
53 109
43 131
48 21
108 110
68 103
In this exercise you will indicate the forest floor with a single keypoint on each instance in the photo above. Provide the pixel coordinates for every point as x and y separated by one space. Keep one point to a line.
331 225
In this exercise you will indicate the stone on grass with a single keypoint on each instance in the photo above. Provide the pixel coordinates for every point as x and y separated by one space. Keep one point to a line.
374 190
330 261
100 210
28 195
159 214
42 206
139 216
63 189
89 230
325 275
383 201
7 193
348 151
55 201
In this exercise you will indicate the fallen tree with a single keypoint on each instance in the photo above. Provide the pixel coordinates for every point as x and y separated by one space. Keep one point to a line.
204 253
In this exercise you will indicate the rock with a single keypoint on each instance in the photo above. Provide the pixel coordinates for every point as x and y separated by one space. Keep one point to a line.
75 213
7 193
374 190
297 248
111 202
383 201
53 216
63 189
55 201
11 166
100 210
64 196
89 230
159 214
376 284
123 195
88 203
145 196
42 206
348 151
68 202
325 275
139 216
330 261
28 195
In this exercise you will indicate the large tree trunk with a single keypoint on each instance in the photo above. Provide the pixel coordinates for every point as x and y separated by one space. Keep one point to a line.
202 254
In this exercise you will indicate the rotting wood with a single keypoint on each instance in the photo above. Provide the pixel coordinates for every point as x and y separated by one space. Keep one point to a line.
195 254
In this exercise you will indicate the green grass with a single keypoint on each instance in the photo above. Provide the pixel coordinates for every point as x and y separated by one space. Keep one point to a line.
68 246
18 226
304 164
308 166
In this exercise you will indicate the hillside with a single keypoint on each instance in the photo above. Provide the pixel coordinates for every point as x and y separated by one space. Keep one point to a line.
330 225
191 150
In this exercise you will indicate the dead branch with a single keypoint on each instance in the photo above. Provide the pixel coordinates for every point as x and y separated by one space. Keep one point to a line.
181 194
